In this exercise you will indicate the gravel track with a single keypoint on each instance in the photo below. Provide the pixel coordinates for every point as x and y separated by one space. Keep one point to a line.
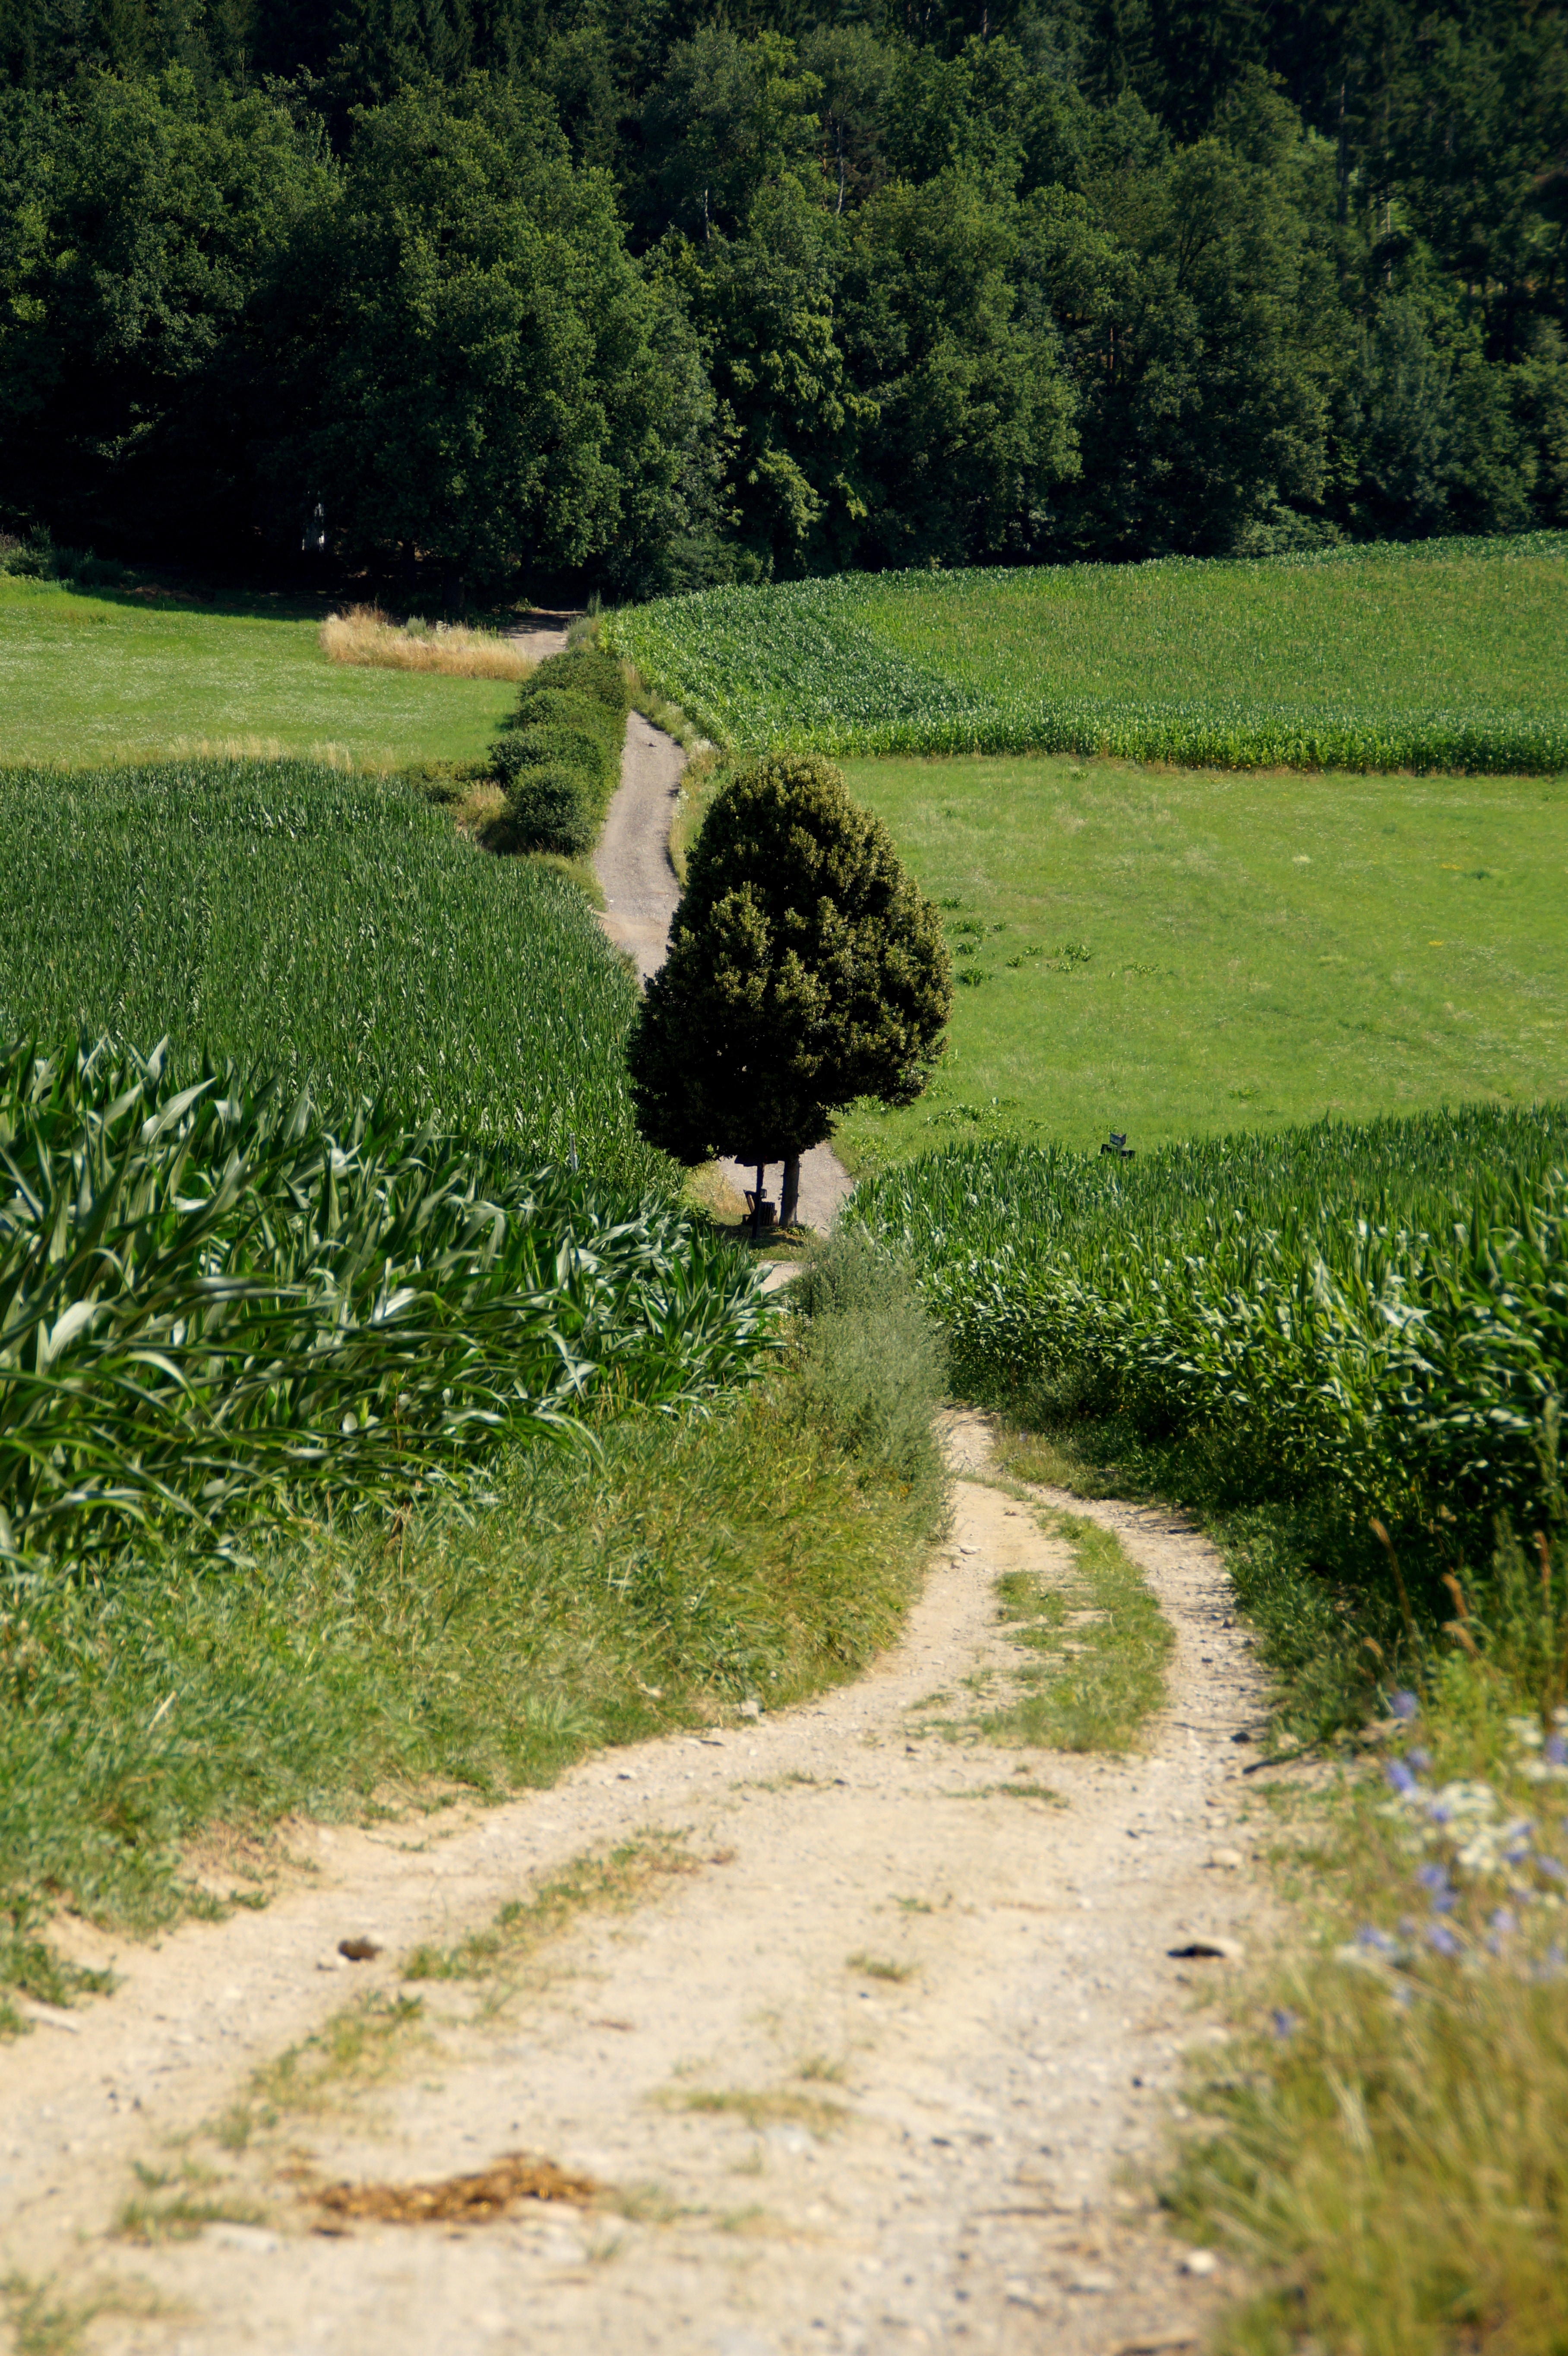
875 2063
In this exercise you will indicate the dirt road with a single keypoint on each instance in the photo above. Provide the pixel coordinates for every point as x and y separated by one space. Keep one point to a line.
859 2075
641 889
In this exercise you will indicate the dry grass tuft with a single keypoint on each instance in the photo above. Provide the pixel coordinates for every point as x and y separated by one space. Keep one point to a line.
365 635
471 2200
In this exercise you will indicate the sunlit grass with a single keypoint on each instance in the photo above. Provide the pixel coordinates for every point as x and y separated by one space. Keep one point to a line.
89 679
1242 951
1444 656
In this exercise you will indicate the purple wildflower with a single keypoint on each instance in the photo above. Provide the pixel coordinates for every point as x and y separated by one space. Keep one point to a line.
1554 1750
1551 1865
1368 1936
1400 1776
1418 1760
1441 1939
1284 2023
1405 1705
1501 1922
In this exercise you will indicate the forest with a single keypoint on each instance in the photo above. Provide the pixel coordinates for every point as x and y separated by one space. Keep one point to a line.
653 297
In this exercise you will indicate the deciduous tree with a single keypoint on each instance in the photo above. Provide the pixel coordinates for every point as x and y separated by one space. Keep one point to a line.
805 968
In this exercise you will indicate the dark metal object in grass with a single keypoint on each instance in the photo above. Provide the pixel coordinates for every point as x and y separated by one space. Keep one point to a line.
763 1212
1119 1146
472 2200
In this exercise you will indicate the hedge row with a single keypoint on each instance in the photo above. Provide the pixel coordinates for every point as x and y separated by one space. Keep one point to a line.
559 754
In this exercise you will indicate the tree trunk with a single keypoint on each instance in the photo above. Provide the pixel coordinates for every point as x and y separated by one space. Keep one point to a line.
789 1193
757 1202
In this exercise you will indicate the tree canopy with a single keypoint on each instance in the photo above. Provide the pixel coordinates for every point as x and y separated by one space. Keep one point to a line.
805 968
656 294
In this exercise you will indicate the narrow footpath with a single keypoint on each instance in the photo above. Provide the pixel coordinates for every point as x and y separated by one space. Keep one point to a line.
641 889
870 2065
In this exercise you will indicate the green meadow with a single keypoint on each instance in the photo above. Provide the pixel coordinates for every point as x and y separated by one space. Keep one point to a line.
138 674
1172 953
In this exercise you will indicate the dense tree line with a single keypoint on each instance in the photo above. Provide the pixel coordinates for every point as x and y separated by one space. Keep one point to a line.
661 297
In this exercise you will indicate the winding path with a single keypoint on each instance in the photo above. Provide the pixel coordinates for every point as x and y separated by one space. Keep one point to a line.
865 2072
641 889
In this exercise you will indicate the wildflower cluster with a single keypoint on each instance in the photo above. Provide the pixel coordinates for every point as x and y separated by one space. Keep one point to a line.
1488 1870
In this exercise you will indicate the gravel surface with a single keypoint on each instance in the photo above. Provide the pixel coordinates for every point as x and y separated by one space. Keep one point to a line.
880 2072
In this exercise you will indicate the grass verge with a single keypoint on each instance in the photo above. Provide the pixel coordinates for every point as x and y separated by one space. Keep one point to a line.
1385 2149
153 1728
1095 1649
1382 2148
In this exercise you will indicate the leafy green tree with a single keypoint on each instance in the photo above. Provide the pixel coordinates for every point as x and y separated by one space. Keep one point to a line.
139 222
805 968
725 118
970 436
1198 301
763 305
478 368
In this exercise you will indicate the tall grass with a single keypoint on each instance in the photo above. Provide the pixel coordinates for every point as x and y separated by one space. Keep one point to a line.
364 633
1374 657
759 1546
1384 2149
1375 1314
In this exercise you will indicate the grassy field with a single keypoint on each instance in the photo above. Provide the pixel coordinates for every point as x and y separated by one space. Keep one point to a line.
1446 655
137 675
1171 954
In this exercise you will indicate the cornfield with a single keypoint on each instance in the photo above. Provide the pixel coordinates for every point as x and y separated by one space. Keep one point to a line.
332 930
1382 1311
216 1306
1444 656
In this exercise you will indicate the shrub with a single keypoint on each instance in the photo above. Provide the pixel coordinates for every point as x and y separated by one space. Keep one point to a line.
558 756
546 810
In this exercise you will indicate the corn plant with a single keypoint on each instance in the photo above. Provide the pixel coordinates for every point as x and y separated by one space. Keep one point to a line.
214 1304
1380 1309
1440 657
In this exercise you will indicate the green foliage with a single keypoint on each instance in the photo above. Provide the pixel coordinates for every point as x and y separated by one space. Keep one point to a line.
871 1358
559 756
492 386
331 930
1436 657
143 216
214 1302
805 968
685 1563
143 676
1374 1315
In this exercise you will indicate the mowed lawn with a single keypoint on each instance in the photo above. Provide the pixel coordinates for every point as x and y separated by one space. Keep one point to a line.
1261 950
89 679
